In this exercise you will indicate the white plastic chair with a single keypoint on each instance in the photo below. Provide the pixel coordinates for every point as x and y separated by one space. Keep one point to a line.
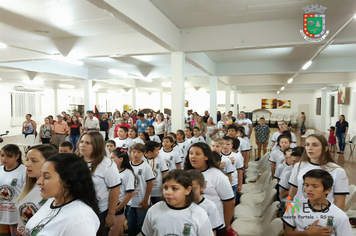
27 142
293 119
275 228
103 134
267 118
37 141
18 139
279 117
255 226
257 198
286 118
273 119
352 191
307 133
260 185
352 144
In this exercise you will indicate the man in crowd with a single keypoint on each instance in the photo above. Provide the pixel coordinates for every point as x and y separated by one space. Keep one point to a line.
91 122
60 130
246 123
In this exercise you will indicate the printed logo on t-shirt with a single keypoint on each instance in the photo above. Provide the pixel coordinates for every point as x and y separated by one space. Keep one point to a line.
6 193
26 211
155 173
186 230
137 182
169 164
42 202
157 166
14 182
183 146
123 145
171 158
139 172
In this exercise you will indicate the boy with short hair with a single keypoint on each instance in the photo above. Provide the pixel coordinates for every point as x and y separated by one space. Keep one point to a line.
110 145
282 126
197 138
152 135
285 163
225 164
66 147
158 166
316 216
237 175
209 206
143 187
244 147
123 141
262 133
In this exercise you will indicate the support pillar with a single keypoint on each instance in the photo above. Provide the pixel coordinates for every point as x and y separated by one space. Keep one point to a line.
133 97
213 97
161 107
324 116
88 95
178 93
227 99
236 101
56 111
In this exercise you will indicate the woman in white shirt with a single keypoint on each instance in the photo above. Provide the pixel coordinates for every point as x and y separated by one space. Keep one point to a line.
211 130
159 125
71 208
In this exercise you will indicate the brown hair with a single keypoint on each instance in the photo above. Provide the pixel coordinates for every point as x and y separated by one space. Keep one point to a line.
197 176
98 153
139 147
218 140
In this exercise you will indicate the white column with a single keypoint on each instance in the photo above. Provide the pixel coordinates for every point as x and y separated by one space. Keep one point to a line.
88 99
56 111
236 101
178 93
161 107
227 99
133 97
213 97
324 117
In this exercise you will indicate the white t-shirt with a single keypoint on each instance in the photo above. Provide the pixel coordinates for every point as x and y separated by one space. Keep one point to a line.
28 206
277 157
248 121
228 169
213 213
244 146
137 140
155 138
199 139
11 184
302 220
162 219
190 141
280 169
73 219
237 164
159 128
127 180
123 143
143 173
105 177
220 125
217 188
275 137
158 166
283 183
340 185
92 123
184 146
172 158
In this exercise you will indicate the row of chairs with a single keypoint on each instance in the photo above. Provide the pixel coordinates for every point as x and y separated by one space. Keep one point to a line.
25 142
274 118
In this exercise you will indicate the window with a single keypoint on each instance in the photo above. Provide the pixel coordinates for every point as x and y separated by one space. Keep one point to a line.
332 106
318 106
25 103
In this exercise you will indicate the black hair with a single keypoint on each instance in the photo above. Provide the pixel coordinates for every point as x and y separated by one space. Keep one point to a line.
147 137
125 164
216 157
46 150
286 150
332 128
169 138
235 143
124 128
134 129
285 134
190 129
174 138
181 133
228 138
324 176
66 144
197 128
77 183
262 118
29 115
50 116
112 142
151 146
182 178
140 114
241 129
234 127
151 126
207 152
298 151
13 150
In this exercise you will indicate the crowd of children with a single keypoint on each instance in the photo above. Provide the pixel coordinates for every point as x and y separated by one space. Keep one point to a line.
172 184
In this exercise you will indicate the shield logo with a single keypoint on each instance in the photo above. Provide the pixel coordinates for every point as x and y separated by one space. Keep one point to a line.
314 25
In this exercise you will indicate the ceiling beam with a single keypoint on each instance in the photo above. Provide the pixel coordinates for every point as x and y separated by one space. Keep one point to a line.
202 62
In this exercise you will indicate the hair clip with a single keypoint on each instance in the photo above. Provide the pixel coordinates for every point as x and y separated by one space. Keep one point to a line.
123 150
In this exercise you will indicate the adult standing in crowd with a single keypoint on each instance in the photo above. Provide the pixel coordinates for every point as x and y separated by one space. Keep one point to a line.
128 119
341 129
74 131
142 123
60 129
121 124
159 125
231 116
221 125
189 117
134 116
105 125
51 121
29 126
168 127
150 117
91 123
206 116
46 131
201 125
246 123
211 130
218 116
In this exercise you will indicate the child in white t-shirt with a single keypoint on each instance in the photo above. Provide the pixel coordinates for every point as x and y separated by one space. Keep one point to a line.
285 163
283 129
183 144
188 131
316 215
110 145
197 137
158 166
176 147
143 189
127 188
244 147
12 180
177 214
225 163
123 141
151 133
206 204
173 157
133 135
277 156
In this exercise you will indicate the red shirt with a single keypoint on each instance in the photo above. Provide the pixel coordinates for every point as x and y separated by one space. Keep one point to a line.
117 128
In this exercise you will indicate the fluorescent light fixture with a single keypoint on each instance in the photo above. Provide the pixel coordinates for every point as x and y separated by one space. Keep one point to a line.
166 84
3 45
118 72
306 66
278 92
67 60
68 86
290 80
33 82
0 78
282 88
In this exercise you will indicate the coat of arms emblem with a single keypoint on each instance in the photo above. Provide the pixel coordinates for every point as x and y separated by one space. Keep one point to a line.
314 23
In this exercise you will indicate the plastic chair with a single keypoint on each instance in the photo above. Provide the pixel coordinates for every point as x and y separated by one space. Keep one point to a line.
260 185
18 139
27 142
307 133
293 119
286 118
279 117
273 119
352 144
255 226
352 191
37 141
275 228
103 134
267 118
257 198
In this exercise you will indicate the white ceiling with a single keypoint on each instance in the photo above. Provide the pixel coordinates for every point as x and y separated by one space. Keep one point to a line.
237 40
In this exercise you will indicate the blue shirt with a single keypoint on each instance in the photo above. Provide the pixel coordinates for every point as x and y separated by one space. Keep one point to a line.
341 127
142 125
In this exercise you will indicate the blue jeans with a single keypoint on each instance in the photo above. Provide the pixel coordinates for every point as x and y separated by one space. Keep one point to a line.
341 139
74 139
135 220
237 195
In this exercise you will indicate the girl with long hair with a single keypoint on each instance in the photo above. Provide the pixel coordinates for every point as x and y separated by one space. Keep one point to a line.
105 175
12 180
133 135
46 132
177 212
127 188
159 125
317 156
201 125
71 208
30 200
218 188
